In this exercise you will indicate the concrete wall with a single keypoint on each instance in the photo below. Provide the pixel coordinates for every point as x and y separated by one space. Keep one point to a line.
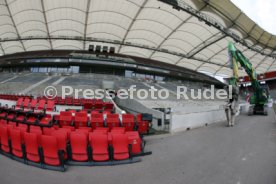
186 118
10 103
135 107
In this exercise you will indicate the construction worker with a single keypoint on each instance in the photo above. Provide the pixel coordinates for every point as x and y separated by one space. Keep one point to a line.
232 105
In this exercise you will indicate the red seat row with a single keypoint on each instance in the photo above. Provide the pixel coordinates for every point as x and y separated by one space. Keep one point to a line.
88 104
13 97
28 104
81 119
24 117
51 147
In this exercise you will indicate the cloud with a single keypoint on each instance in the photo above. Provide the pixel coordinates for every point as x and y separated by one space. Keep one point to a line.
260 11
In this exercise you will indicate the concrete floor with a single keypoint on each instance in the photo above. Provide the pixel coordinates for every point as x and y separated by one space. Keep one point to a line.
244 154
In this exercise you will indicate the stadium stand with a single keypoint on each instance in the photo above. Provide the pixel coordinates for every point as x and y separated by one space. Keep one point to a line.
30 132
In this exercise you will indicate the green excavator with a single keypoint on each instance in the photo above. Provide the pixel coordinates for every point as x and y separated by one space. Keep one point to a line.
258 101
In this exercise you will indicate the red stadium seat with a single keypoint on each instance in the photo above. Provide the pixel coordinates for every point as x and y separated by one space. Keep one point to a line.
46 120
65 130
13 123
120 146
16 143
22 128
101 130
95 112
89 129
4 139
143 126
81 119
19 103
32 119
76 102
62 138
41 105
84 131
33 104
120 130
72 110
11 116
106 112
32 127
128 122
50 105
69 100
51 153
20 118
31 145
26 103
3 115
108 106
112 120
10 127
3 122
97 120
48 130
99 145
36 130
87 106
79 147
136 142
98 106
68 128
65 118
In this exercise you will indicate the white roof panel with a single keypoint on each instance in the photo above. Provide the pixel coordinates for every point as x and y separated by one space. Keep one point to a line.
150 29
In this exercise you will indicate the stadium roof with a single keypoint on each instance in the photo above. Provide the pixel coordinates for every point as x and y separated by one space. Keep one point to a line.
194 34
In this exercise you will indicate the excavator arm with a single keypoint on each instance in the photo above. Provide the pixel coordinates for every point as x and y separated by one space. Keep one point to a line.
259 98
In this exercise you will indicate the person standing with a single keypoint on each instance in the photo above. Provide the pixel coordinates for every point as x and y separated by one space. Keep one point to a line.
232 105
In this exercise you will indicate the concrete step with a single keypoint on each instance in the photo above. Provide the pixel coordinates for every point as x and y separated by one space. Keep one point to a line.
35 85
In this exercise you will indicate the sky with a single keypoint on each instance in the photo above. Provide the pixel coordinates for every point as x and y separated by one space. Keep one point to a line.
263 12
